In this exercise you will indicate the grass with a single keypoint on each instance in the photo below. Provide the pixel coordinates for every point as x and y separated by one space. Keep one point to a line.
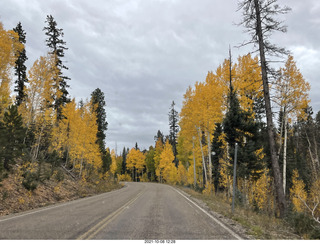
257 225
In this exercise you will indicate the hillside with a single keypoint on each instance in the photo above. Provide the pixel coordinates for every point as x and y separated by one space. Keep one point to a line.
14 197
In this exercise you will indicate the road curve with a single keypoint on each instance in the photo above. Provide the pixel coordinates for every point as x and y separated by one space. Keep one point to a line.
137 211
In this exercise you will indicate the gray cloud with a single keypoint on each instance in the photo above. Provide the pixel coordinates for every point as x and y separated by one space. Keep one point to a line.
144 54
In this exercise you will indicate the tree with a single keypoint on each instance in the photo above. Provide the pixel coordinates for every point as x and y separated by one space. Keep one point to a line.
98 102
12 134
57 48
150 164
20 67
173 130
135 162
9 47
258 19
37 109
293 97
166 170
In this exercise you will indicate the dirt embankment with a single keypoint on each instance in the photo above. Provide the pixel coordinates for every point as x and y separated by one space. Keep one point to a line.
14 197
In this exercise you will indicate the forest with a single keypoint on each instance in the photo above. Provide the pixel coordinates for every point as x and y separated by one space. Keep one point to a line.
265 112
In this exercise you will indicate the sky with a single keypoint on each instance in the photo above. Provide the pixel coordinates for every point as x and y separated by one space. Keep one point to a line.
143 54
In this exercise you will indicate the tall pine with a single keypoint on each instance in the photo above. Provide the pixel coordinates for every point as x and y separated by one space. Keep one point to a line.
98 102
57 47
173 132
20 67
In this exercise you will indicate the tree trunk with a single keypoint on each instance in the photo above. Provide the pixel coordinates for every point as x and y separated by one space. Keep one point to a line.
285 152
274 159
209 155
203 161
194 165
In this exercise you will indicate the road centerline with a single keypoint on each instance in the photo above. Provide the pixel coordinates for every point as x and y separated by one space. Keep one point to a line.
103 223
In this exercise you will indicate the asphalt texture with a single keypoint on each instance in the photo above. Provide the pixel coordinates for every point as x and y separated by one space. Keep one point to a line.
138 211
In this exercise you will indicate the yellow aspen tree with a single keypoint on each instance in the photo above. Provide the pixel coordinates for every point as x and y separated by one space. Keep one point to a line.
165 171
135 162
293 97
298 194
9 46
157 152
113 167
247 81
37 107
261 191
182 177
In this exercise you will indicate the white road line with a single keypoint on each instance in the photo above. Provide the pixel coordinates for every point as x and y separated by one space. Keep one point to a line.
213 218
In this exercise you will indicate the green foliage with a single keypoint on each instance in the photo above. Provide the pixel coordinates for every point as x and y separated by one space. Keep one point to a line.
20 67
12 134
30 181
304 225
57 47
59 175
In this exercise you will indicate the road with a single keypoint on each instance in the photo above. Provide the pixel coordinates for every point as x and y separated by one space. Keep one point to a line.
138 211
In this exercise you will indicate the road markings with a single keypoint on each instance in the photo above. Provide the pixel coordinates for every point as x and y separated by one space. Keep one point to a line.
213 218
103 223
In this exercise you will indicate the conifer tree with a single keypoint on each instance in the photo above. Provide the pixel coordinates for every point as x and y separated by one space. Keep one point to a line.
98 102
173 130
12 134
20 67
57 47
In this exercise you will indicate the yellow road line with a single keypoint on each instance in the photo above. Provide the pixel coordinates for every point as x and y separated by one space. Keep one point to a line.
103 223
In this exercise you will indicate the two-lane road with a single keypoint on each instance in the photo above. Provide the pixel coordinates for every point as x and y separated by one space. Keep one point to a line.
137 211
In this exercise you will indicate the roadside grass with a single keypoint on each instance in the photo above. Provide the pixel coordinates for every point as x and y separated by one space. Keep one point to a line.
258 225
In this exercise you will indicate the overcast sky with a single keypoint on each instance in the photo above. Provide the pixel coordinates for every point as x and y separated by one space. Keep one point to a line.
145 53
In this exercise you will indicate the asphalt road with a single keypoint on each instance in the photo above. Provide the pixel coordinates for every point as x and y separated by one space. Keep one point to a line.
138 211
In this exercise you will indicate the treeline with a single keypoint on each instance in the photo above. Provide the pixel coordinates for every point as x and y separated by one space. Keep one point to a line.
42 130
228 109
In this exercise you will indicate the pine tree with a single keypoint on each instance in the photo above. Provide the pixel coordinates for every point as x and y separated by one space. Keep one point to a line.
12 134
57 48
173 130
20 67
98 102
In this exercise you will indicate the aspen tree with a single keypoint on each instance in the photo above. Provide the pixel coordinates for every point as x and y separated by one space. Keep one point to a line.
9 47
293 96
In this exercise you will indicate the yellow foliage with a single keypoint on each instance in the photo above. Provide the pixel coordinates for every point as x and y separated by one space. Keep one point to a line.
298 193
9 46
209 189
125 177
261 191
166 169
136 159
182 177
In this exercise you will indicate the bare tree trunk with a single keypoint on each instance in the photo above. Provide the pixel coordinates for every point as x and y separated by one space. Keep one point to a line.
285 153
210 161
274 158
203 161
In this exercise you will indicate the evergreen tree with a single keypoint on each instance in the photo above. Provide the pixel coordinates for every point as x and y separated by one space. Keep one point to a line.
57 48
98 103
240 127
12 134
20 67
150 164
159 136
217 153
173 132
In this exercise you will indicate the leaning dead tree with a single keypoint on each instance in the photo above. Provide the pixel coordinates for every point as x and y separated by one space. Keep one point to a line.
260 22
